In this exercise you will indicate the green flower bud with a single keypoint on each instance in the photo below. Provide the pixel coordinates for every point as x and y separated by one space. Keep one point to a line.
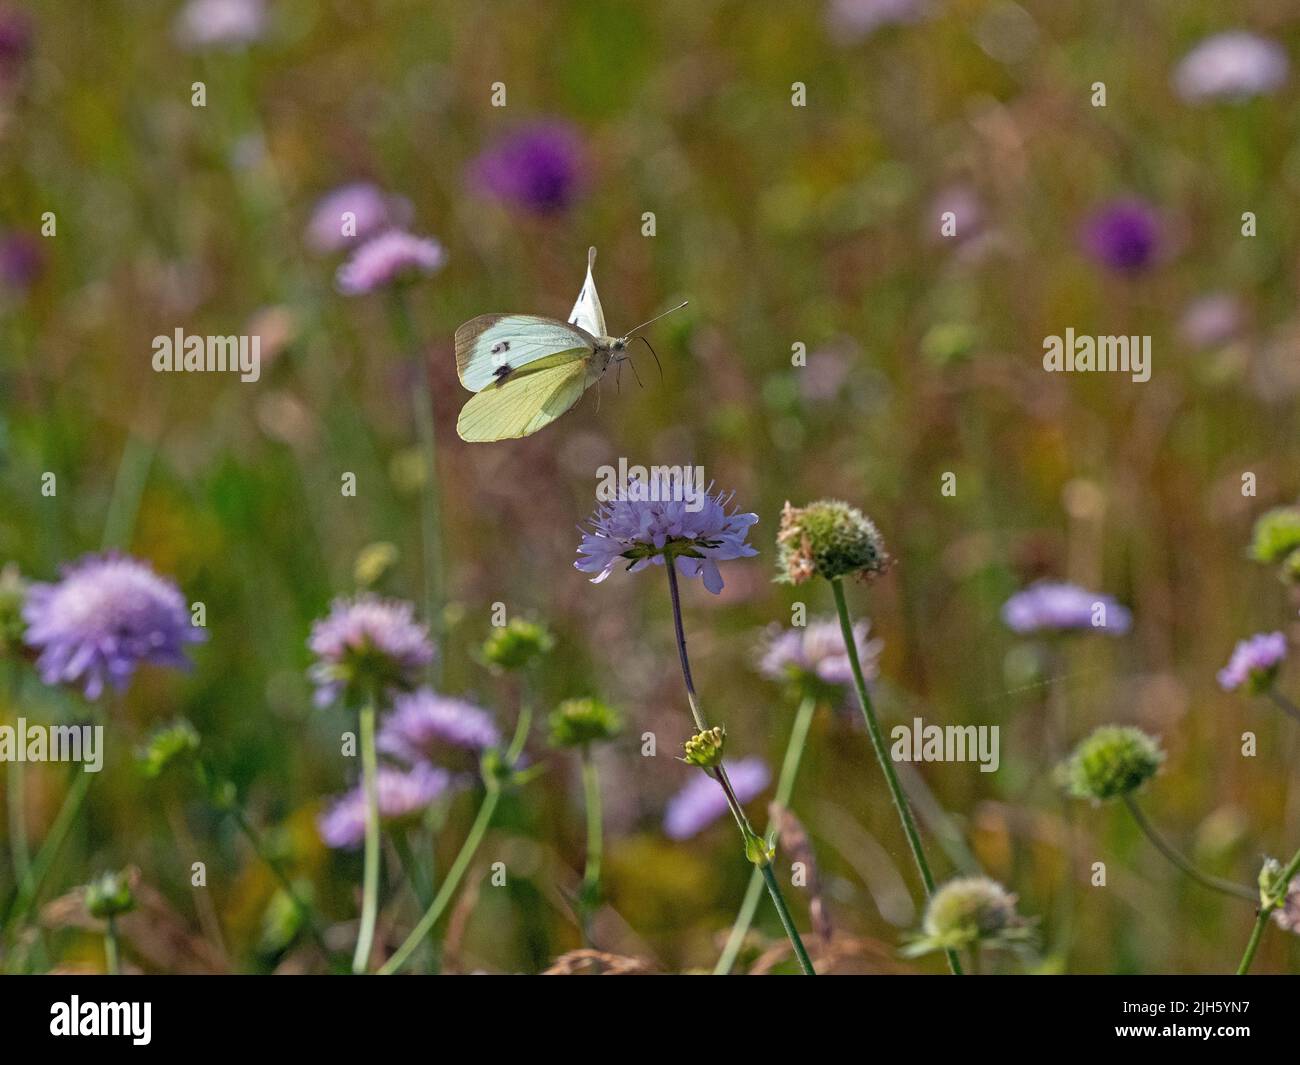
828 539
704 749
109 895
516 644
1112 762
971 911
579 722
1270 886
13 593
758 850
1276 535
166 745
373 562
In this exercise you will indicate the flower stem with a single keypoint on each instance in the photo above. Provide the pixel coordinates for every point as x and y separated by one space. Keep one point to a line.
720 775
1283 703
590 898
30 888
1265 910
784 786
886 766
1214 883
430 520
16 793
112 964
370 882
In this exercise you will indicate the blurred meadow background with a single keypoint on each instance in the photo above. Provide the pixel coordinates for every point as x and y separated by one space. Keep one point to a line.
815 225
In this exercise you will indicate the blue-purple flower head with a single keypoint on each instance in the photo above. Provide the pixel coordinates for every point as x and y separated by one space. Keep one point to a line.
393 256
354 213
1254 663
1123 235
815 653
220 23
1231 66
367 648
21 261
425 727
107 616
403 795
537 168
1058 607
702 801
853 20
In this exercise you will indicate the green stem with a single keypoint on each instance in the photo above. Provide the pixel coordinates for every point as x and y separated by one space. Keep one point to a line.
590 898
112 964
882 756
422 405
370 883
30 888
720 775
1214 883
1265 910
305 912
17 793
419 884
784 787
1284 704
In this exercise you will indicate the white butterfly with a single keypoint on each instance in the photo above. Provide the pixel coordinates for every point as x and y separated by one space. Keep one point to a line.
526 370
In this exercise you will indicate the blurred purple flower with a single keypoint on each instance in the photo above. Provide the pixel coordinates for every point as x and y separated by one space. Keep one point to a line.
1124 235
1287 916
1254 663
702 801
423 722
852 20
537 168
106 616
401 794
367 644
1231 66
220 23
1051 606
15 43
372 209
21 261
1211 320
817 651
645 531
386 259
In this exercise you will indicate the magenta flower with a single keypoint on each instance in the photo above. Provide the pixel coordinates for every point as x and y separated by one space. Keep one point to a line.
387 259
1055 607
371 211
367 647
422 725
537 168
702 801
108 615
402 796
1254 663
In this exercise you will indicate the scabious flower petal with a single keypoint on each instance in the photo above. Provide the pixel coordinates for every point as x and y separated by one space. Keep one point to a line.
422 724
108 615
817 651
1231 66
702 801
373 211
401 795
642 532
1052 606
1254 663
365 646
220 23
384 260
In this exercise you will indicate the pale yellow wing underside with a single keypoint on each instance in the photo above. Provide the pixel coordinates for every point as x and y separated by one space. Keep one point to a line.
519 406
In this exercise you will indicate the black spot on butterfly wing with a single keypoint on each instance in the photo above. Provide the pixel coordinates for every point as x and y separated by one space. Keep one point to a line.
503 371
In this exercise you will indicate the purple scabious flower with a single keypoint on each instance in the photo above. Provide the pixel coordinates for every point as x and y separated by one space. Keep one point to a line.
1231 66
220 23
647 531
392 256
401 795
1124 235
366 647
702 801
1254 663
853 20
1052 606
107 615
21 261
816 651
372 211
536 168
422 724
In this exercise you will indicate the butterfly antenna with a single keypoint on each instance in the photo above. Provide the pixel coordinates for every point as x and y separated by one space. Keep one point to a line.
635 374
656 357
633 332
618 378
599 380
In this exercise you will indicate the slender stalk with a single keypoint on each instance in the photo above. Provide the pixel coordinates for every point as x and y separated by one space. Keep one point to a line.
886 766
1265 910
1214 883
487 808
784 787
590 898
16 794
370 882
305 911
1283 703
30 888
112 964
720 775
422 405
411 867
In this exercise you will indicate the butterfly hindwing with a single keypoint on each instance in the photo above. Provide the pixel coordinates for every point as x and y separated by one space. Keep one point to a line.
491 346
518 406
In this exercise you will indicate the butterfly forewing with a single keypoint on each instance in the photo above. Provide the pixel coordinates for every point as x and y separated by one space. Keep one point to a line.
587 313
490 347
